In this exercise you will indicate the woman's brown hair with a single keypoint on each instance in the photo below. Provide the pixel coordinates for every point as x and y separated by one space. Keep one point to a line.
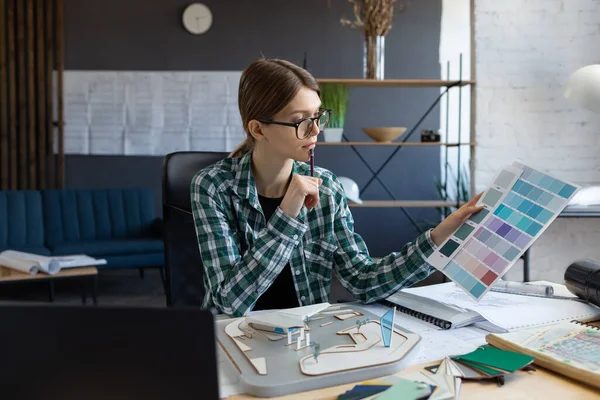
266 87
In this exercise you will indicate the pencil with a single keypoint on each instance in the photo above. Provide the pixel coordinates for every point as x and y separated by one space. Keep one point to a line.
312 162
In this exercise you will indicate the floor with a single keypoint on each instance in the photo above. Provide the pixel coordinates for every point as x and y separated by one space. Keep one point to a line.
119 287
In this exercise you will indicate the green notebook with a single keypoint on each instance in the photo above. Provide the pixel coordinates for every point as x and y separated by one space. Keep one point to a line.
496 358
480 368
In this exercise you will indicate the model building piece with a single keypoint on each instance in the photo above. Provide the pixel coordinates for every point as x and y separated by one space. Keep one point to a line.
347 315
387 326
368 350
274 325
260 364
234 331
280 321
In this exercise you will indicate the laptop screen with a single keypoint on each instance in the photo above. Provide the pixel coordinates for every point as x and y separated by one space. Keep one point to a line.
69 352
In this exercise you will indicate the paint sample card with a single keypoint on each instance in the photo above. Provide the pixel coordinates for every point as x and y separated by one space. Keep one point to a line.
518 206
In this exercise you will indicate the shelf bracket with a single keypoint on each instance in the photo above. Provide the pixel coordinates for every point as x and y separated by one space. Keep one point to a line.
389 192
408 135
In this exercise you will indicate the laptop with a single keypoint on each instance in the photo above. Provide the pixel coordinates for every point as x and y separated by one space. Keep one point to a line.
71 352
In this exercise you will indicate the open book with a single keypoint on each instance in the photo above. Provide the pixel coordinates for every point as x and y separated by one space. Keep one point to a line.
448 307
569 348
33 263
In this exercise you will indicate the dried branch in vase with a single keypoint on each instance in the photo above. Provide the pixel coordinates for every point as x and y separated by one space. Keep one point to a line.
374 17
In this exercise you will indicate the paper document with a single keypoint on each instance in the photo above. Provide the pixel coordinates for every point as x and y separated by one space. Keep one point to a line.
435 345
509 311
33 263
151 112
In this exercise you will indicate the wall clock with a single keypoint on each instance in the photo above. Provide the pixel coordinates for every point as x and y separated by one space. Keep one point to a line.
197 18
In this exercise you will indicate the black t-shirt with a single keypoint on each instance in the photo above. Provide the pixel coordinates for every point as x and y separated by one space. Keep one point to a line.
282 292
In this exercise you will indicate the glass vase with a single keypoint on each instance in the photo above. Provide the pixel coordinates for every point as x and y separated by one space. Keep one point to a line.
374 57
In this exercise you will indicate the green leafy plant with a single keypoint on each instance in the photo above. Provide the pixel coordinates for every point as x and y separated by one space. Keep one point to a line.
335 97
360 323
464 192
464 195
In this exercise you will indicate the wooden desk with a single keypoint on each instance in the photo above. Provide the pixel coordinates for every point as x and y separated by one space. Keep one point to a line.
9 275
541 384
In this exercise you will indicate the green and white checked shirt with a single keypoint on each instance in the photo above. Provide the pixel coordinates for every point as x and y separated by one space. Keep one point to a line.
242 254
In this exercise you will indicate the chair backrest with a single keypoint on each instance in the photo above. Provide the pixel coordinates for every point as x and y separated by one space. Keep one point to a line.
183 265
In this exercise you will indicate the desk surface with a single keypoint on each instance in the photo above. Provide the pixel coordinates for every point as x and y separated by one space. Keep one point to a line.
11 275
541 384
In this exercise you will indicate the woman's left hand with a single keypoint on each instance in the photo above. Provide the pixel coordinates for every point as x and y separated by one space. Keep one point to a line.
453 221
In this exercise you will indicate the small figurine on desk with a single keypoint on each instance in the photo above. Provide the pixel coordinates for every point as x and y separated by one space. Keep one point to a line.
316 350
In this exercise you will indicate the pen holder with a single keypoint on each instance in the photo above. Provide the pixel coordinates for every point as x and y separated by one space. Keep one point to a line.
582 278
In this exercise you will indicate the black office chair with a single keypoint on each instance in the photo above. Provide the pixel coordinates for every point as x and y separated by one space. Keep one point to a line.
183 265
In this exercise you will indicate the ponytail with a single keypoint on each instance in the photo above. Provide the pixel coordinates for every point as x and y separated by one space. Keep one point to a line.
246 145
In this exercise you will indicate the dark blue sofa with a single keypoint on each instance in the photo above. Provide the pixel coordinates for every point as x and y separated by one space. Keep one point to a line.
118 225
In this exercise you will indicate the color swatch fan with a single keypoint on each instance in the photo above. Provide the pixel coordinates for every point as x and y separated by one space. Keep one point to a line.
518 207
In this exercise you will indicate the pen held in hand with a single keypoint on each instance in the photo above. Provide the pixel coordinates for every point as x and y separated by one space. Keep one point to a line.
312 162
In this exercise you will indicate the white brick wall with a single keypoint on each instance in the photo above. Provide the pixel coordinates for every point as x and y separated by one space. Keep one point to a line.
525 51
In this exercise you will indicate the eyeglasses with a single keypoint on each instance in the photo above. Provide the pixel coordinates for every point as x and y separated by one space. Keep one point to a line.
305 126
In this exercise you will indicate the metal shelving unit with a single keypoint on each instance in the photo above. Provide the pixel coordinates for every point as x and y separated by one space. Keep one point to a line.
410 83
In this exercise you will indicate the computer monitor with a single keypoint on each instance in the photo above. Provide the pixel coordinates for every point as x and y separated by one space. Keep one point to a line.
70 352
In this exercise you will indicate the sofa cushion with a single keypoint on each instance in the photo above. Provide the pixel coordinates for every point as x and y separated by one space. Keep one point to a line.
21 221
82 215
104 248
133 261
40 250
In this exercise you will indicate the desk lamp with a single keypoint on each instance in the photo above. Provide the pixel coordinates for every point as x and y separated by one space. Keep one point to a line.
583 87
582 277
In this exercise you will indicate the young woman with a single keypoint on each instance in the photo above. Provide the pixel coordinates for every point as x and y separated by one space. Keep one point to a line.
270 235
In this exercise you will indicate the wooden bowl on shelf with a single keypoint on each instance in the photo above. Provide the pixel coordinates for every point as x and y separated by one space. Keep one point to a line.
384 134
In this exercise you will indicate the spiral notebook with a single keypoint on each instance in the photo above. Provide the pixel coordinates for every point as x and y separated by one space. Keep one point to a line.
568 348
448 307
434 312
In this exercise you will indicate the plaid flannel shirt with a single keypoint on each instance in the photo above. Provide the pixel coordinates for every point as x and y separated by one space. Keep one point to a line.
242 254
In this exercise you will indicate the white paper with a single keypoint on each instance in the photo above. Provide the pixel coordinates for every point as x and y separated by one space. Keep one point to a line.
28 263
436 345
34 263
106 140
151 113
510 311
77 260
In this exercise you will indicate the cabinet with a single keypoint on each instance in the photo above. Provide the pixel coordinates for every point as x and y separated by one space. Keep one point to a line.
460 144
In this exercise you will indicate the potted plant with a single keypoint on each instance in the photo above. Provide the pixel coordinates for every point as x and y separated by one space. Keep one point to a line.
334 96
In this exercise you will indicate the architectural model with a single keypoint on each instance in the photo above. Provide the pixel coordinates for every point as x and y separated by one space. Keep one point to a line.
300 334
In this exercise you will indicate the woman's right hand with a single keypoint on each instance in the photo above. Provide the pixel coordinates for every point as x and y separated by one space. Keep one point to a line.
302 191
